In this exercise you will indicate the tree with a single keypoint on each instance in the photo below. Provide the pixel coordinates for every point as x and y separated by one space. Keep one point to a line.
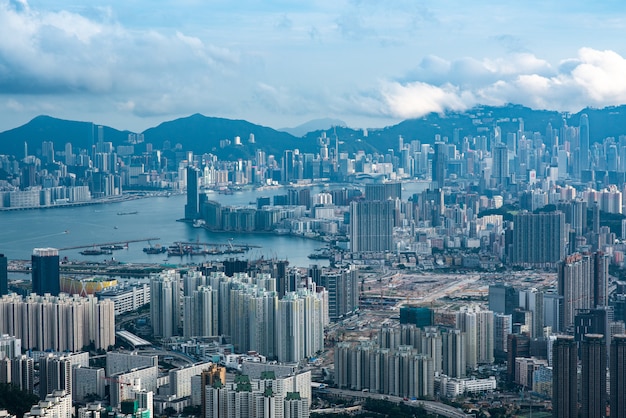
16 401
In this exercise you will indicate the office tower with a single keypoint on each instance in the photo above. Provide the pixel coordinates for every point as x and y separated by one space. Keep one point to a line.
55 373
287 169
564 377
45 271
532 300
165 304
502 327
4 275
439 165
538 239
593 382
192 208
453 353
500 169
584 141
371 226
579 216
503 298
383 191
618 376
552 305
420 316
518 345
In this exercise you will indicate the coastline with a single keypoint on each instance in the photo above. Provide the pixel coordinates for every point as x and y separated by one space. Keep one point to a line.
125 197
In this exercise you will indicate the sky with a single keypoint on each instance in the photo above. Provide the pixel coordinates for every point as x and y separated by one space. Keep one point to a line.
132 64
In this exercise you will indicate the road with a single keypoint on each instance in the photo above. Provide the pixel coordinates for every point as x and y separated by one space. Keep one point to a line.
430 406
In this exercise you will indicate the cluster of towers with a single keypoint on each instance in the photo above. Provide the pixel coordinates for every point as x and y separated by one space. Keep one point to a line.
593 380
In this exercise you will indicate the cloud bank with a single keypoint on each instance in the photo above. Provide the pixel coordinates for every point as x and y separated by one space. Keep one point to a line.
358 60
592 78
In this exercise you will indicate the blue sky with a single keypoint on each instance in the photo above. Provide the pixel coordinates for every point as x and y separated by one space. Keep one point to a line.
132 64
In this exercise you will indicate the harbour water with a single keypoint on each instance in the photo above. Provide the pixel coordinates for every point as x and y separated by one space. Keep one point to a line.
21 231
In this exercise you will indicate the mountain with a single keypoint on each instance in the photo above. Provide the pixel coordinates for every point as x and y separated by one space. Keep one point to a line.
59 131
201 134
314 125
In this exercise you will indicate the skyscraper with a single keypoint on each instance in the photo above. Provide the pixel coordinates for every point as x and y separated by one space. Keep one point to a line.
593 383
4 276
55 373
371 225
383 191
582 282
583 134
564 377
453 353
440 162
538 239
192 208
164 304
618 376
45 271
500 167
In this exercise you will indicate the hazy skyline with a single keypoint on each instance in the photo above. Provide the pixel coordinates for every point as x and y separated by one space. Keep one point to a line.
133 64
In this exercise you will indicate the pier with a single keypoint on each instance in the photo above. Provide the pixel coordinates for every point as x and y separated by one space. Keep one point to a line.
104 244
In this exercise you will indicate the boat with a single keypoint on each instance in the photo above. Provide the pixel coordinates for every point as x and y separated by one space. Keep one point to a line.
155 250
321 254
199 223
128 213
113 247
95 251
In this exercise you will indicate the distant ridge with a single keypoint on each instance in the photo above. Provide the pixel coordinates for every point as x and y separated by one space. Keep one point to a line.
314 125
202 134
60 131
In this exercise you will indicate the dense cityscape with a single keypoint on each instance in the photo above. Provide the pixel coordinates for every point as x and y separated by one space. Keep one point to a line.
495 287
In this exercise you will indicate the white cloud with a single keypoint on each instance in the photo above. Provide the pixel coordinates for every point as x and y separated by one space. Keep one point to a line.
593 78
43 52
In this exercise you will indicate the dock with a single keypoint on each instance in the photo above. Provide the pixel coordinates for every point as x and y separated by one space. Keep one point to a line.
104 244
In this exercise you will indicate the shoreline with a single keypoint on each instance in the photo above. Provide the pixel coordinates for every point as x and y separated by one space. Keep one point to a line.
127 197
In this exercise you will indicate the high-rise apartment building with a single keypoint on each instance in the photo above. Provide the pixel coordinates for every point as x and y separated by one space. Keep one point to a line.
454 353
582 281
593 382
55 373
45 271
477 324
538 239
371 226
165 304
618 376
564 377
63 323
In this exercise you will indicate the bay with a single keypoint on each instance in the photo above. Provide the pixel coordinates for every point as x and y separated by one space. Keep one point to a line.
21 231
